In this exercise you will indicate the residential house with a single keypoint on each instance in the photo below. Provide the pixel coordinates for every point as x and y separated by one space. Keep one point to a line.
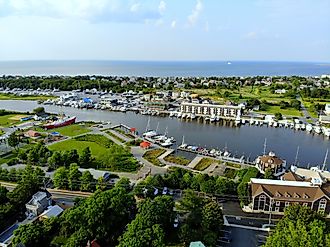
271 161
39 202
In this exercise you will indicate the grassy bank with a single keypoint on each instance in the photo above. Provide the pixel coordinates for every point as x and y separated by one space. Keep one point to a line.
152 155
26 97
72 130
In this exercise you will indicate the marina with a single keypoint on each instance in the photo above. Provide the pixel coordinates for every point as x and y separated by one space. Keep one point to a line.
246 140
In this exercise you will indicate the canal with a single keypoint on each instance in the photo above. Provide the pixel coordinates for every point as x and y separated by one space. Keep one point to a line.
244 140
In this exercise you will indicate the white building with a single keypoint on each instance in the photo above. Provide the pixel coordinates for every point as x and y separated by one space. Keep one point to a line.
207 109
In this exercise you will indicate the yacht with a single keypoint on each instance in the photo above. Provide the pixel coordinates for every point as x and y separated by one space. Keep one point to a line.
317 129
192 116
167 143
212 119
309 127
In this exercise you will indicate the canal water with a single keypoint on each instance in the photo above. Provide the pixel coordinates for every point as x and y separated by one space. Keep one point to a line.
243 140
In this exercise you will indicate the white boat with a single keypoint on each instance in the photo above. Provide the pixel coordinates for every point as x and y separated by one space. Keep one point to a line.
326 131
179 115
167 143
212 118
192 116
243 121
317 129
309 127
237 121
150 133
275 124
172 114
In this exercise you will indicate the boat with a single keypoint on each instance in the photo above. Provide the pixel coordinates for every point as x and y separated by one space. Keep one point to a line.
167 143
309 127
192 116
150 134
326 131
317 129
61 122
212 119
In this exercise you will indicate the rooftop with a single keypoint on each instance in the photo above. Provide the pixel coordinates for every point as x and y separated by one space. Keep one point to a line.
281 182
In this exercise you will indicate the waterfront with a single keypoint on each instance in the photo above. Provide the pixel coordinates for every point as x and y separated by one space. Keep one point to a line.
244 140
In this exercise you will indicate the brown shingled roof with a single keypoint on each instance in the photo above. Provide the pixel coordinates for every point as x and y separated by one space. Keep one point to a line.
290 176
267 159
289 193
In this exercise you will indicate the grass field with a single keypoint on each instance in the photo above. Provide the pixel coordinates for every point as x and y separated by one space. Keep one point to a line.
10 119
180 160
72 130
151 156
289 111
97 150
204 163
115 136
27 97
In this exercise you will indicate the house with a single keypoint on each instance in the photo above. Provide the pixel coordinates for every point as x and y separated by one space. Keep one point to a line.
275 195
196 244
52 211
32 134
280 91
39 202
271 161
145 145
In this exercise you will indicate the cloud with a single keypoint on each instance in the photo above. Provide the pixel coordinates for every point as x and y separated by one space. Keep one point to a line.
90 10
251 35
193 17
162 7
173 24
135 7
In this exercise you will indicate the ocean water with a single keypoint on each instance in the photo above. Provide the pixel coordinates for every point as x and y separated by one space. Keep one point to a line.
163 69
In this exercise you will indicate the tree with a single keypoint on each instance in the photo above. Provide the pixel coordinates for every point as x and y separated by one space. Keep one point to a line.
61 178
3 195
300 226
243 193
55 160
39 110
268 174
278 116
30 235
86 158
74 177
13 140
296 104
87 181
101 184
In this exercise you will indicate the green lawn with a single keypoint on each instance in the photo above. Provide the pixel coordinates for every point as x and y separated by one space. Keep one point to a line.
114 136
97 150
152 155
27 97
205 163
72 130
288 111
11 119
180 160
1 132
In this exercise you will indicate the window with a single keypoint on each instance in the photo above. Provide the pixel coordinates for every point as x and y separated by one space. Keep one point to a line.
287 204
287 195
296 195
306 196
278 203
322 205
305 204
277 209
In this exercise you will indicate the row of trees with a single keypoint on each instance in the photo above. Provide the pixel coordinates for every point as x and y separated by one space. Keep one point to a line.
300 226
182 179
12 204
71 178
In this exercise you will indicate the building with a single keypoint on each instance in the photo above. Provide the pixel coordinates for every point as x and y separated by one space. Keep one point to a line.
52 211
32 133
39 202
208 109
327 109
271 161
275 195
145 145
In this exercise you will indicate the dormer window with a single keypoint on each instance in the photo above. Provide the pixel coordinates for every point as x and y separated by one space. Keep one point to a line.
287 195
306 196
296 195
278 194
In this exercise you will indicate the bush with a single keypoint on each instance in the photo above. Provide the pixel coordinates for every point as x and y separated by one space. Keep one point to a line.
12 162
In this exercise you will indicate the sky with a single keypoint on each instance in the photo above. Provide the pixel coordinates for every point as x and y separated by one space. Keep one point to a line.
224 30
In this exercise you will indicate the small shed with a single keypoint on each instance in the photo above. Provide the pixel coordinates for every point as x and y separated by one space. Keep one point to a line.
32 133
52 211
145 144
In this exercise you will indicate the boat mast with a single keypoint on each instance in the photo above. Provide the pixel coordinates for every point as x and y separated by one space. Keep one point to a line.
182 140
325 159
165 134
157 127
148 124
265 146
296 158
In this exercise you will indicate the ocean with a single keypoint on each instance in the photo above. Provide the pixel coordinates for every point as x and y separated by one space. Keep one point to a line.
163 69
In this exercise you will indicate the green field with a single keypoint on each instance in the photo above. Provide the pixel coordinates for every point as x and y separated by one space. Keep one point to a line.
152 155
289 111
11 119
97 150
180 160
205 163
27 97
72 130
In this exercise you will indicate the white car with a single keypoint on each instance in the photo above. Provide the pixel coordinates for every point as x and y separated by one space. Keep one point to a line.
156 191
165 190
